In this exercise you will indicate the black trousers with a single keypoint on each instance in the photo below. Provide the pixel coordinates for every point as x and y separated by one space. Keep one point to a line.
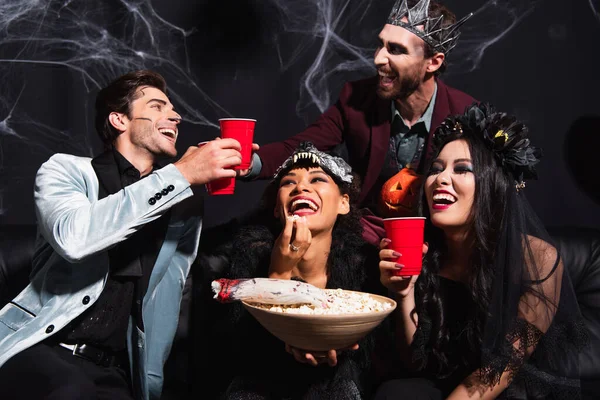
409 389
54 373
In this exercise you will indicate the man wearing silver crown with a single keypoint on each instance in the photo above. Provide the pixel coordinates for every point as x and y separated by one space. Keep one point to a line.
385 122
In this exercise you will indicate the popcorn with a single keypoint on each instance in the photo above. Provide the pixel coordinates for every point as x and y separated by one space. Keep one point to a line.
339 301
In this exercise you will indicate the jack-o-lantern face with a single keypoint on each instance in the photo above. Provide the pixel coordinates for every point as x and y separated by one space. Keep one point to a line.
399 196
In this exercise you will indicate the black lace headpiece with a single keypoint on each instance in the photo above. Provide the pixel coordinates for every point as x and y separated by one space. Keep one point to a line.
503 134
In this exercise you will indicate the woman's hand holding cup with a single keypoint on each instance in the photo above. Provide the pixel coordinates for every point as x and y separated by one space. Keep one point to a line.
389 268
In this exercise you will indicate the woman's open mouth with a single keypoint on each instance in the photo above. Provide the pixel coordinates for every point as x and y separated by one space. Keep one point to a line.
442 201
303 206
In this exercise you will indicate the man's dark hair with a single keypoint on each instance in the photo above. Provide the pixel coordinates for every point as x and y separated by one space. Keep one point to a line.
118 96
435 10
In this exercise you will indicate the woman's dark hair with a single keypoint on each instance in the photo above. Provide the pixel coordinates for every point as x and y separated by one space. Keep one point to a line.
516 296
347 231
502 158
118 96
247 254
492 184
350 221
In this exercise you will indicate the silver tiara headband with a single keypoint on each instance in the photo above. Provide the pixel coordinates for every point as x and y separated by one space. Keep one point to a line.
308 153
441 39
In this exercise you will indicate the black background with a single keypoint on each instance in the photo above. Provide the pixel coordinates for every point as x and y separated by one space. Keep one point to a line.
282 62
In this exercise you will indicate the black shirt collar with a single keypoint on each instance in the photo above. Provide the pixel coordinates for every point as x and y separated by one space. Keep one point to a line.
128 173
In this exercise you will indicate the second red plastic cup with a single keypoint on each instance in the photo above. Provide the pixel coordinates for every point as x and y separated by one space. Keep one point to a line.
406 235
242 130
219 186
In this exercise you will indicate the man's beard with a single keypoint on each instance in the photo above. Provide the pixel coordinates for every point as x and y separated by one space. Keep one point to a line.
403 87
147 138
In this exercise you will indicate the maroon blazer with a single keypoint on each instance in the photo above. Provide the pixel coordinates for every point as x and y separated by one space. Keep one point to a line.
361 119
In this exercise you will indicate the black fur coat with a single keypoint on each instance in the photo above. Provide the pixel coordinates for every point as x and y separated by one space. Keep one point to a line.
243 360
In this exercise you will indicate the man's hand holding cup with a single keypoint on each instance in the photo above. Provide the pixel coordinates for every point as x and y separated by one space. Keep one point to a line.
210 161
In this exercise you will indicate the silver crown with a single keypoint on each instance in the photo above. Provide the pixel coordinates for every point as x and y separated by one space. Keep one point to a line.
442 40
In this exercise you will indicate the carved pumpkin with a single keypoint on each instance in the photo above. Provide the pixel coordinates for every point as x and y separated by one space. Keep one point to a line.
399 196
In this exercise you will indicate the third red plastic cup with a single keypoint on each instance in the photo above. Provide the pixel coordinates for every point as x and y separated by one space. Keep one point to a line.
406 235
242 130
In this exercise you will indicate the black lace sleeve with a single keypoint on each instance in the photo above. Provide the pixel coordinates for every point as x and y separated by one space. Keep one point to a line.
541 344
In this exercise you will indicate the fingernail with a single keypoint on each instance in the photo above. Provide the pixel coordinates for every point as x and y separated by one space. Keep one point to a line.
386 240
398 266
396 254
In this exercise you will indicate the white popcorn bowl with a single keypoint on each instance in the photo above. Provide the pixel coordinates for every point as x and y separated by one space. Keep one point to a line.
321 332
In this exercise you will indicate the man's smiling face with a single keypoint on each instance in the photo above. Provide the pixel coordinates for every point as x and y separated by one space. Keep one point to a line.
400 62
152 126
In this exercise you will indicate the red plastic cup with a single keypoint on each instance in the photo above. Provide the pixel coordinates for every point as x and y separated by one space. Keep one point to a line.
406 235
219 186
242 130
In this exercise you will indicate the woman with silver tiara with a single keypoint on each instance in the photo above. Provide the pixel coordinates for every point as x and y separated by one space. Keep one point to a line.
493 313
307 229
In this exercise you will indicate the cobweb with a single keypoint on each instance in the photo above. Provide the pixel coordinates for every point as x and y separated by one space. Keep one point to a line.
93 42
492 22
595 6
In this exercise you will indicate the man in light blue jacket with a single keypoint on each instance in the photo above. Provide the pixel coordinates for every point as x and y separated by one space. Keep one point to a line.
116 237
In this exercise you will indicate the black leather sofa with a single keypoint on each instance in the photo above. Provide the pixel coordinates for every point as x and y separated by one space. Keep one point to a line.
580 250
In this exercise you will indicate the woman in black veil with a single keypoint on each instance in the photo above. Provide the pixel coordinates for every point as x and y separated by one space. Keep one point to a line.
493 313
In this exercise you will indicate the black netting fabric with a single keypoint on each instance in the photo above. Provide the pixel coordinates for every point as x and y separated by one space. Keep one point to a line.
514 311
531 328
533 319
